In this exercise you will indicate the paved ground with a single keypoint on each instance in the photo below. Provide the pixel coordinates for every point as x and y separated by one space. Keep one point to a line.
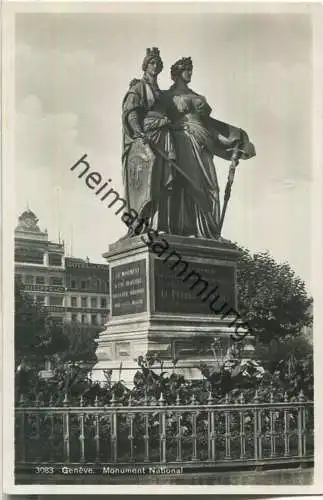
297 476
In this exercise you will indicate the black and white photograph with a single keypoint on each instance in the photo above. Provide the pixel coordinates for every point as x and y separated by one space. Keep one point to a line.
162 239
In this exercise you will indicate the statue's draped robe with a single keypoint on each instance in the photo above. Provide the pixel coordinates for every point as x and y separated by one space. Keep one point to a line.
147 176
195 202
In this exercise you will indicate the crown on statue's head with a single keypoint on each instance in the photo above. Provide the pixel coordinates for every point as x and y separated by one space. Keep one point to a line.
153 52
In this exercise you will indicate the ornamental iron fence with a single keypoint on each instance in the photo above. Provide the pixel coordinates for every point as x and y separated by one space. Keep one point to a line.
230 432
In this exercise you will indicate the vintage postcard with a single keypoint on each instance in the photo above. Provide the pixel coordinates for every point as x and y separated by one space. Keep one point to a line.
162 247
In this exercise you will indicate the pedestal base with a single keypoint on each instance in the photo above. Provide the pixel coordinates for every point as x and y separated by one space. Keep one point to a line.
170 298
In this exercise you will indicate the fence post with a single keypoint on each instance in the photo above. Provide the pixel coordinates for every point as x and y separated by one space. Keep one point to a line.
227 434
179 431
242 429
114 430
37 430
256 427
162 431
66 429
211 429
52 428
194 430
272 427
22 447
131 435
286 428
82 434
300 425
146 435
97 431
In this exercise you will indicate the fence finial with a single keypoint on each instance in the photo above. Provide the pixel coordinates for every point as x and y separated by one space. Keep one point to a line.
161 399
193 399
96 401
210 398
241 398
301 397
130 400
256 398
178 401
81 400
113 399
285 397
65 401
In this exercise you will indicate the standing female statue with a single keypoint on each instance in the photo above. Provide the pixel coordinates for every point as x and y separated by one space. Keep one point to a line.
147 176
169 141
195 202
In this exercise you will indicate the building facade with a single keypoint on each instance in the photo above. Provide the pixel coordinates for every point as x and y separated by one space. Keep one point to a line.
73 290
87 289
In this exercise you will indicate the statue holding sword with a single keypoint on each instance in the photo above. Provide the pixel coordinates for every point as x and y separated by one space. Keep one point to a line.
169 142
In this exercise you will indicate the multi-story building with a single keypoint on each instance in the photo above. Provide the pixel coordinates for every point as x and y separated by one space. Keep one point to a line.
87 288
72 290
40 264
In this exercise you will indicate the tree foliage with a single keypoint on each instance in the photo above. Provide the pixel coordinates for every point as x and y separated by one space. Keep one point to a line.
37 335
80 344
272 298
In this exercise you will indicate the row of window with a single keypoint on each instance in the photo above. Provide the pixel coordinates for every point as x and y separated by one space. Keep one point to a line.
57 300
32 256
94 319
53 300
29 279
93 283
89 302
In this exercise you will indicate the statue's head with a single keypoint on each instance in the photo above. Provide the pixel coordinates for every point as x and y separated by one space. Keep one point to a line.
182 69
152 63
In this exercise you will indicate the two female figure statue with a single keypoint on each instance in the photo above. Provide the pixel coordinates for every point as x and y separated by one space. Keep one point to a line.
169 141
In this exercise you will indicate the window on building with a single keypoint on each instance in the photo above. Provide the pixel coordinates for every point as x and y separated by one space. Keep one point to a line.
84 318
54 259
103 319
55 300
19 277
83 284
58 320
84 301
73 284
103 303
94 319
55 280
29 279
40 280
40 299
30 255
74 318
73 301
94 302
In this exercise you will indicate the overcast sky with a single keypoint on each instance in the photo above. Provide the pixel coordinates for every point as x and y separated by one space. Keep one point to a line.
72 71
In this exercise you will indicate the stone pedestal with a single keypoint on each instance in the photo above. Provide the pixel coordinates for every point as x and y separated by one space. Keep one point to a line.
172 297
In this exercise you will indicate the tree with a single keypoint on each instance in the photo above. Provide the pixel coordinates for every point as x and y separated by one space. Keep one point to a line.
37 335
81 344
272 298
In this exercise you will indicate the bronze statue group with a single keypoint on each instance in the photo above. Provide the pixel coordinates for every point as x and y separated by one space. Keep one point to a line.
169 142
